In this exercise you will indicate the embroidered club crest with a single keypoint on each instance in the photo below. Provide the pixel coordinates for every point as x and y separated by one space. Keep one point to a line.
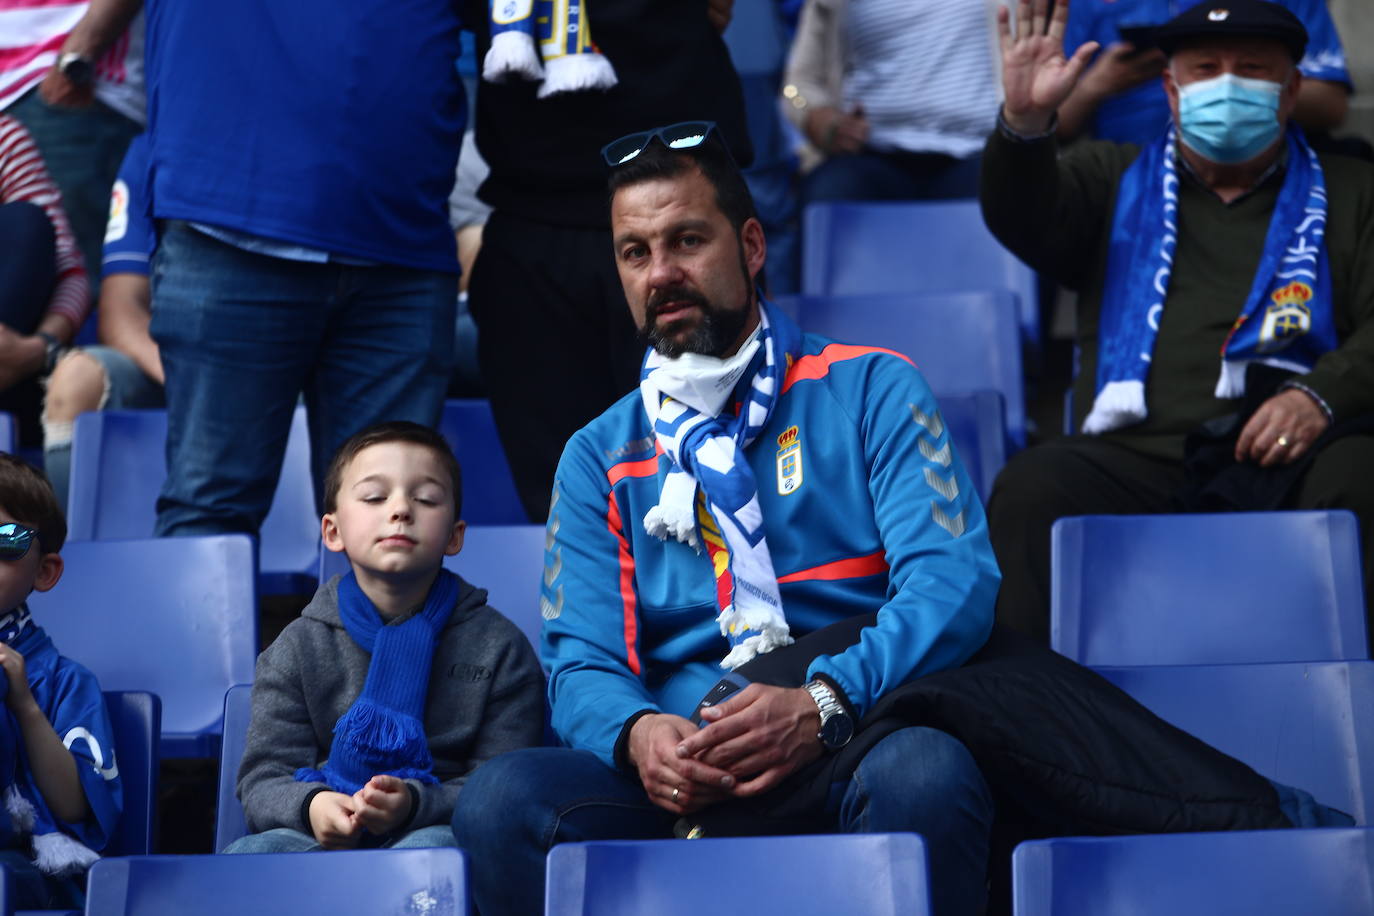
1287 317
1218 15
789 461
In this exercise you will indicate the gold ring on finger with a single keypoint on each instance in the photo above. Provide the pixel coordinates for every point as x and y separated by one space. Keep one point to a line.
677 790
1283 442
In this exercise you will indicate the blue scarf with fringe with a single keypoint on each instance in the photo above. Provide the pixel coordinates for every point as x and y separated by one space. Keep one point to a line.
383 731
1285 321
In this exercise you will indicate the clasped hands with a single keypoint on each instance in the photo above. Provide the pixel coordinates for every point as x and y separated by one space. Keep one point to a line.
338 820
751 742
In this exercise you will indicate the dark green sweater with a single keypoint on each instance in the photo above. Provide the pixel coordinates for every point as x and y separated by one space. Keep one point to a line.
1058 218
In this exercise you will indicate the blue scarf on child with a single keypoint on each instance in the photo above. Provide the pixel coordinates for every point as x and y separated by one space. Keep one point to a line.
1285 321
383 731
25 811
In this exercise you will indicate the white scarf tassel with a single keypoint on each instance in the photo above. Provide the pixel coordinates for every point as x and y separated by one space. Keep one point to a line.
512 54
1116 405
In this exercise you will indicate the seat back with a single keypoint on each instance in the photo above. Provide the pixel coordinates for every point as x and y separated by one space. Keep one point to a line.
976 425
1197 874
428 881
912 246
1207 589
119 463
238 712
1301 724
506 560
6 432
874 874
961 341
136 718
489 495
173 616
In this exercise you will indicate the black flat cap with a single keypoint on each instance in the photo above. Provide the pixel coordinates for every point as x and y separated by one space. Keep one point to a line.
1233 18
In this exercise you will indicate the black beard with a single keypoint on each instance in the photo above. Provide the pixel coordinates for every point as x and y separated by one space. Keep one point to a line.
714 333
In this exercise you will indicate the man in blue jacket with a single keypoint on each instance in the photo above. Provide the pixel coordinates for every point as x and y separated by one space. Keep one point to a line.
760 485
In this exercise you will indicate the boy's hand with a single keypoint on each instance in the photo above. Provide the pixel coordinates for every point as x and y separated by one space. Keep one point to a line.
333 821
19 698
382 804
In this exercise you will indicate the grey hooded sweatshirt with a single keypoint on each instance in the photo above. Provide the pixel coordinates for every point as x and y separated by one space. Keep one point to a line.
486 697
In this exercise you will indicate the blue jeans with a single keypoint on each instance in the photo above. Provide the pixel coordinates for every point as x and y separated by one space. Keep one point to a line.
241 335
284 839
518 806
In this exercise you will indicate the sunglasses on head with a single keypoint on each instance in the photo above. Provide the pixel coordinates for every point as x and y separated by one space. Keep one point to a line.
683 135
15 540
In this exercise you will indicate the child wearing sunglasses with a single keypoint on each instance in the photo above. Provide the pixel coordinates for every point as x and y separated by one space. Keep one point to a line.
371 709
61 788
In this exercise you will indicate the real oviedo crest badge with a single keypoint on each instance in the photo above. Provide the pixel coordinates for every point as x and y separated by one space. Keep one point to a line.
789 461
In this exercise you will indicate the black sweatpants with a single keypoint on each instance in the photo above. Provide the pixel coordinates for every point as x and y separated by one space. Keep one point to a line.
1084 475
555 340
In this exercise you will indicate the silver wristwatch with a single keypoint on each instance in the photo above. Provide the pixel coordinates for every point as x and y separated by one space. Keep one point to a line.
837 726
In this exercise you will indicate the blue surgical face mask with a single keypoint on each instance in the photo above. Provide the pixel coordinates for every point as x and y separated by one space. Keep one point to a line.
1229 118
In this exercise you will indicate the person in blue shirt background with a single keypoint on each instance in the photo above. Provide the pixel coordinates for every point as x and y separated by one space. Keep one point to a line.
1121 98
124 371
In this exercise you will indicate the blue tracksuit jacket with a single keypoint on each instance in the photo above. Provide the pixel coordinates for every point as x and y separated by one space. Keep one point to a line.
867 508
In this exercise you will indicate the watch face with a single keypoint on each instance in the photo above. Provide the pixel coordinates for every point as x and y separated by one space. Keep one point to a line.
837 730
78 70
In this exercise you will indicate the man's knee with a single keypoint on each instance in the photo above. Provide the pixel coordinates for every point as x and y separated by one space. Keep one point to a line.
1033 482
916 766
505 794
77 385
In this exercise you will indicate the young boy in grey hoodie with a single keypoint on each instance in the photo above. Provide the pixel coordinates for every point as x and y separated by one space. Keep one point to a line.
397 680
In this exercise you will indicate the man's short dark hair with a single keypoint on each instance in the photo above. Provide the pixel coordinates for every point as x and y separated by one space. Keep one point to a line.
392 431
657 161
28 498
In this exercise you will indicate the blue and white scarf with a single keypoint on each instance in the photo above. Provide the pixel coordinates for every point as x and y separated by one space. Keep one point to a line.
1286 320
383 731
554 33
685 399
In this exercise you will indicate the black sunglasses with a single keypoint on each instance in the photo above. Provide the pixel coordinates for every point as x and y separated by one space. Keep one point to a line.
683 135
15 540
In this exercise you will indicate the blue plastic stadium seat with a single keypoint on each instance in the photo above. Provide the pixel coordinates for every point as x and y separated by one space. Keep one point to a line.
1258 873
238 712
489 495
432 882
875 874
119 462
1302 724
912 247
6 432
961 341
136 717
1207 589
173 616
506 560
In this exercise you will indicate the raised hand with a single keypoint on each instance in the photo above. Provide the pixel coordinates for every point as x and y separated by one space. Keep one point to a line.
1036 78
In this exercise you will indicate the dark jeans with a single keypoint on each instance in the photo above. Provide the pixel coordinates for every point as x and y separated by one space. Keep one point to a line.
555 341
28 269
517 807
1085 475
243 335
83 149
28 273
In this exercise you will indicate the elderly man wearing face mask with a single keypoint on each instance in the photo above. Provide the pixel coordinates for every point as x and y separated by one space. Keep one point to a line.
1225 279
